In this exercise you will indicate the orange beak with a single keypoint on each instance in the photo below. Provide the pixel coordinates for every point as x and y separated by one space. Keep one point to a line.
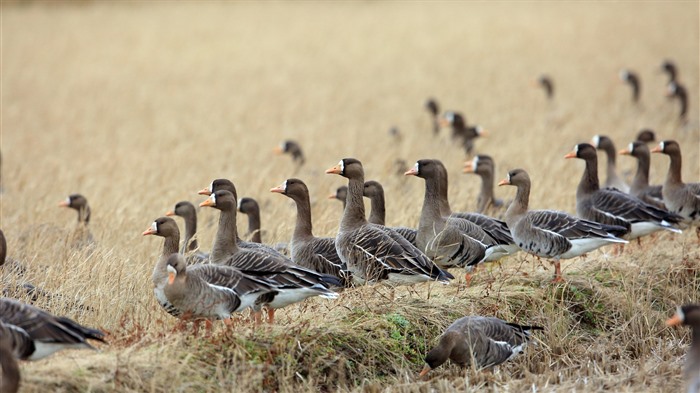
171 278
63 204
657 149
468 167
624 152
674 321
336 170
484 133
278 189
504 182
170 213
277 150
411 172
570 155
207 202
426 369
204 191
443 122
331 196
149 231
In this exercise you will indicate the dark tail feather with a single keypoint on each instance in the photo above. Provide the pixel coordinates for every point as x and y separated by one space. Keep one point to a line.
615 230
86 332
332 280
523 327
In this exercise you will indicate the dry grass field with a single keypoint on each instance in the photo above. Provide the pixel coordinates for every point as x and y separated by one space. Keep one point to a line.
140 105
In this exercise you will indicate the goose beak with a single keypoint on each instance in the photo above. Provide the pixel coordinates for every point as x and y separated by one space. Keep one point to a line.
207 202
443 122
468 167
331 196
624 152
204 191
336 170
149 231
63 204
484 133
656 149
278 189
171 278
504 182
571 154
674 320
170 213
411 172
277 150
425 370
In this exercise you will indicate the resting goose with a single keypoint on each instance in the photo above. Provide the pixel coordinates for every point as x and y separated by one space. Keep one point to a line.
373 252
292 148
483 342
613 207
483 166
646 136
292 282
689 315
250 207
340 194
309 251
670 69
375 192
9 383
602 142
553 234
678 91
433 108
80 204
632 79
640 187
547 84
188 212
461 132
47 332
680 198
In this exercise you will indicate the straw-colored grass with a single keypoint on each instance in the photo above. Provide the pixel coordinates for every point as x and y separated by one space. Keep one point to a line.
139 105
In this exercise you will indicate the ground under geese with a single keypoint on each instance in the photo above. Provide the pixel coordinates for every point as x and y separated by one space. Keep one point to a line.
461 131
377 215
678 91
632 79
341 194
680 198
293 283
482 342
188 212
546 83
250 207
613 207
79 203
553 234
47 332
483 166
10 380
689 315
604 143
292 148
646 135
373 252
316 253
670 69
640 187
431 105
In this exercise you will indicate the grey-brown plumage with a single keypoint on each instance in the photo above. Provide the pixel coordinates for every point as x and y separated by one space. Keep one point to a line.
646 135
613 207
341 194
484 166
602 142
640 187
166 228
461 132
10 381
48 332
292 148
547 84
482 342
377 215
431 105
3 248
20 345
190 246
677 91
680 198
689 315
82 235
316 253
670 69
373 252
632 79
250 207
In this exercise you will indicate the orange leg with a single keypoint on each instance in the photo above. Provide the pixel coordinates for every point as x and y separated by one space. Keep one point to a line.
257 317
557 273
697 232
468 278
271 316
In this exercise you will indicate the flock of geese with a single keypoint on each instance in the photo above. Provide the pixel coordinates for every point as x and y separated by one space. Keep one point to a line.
237 275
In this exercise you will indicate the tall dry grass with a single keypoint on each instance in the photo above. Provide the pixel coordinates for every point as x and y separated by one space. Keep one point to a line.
139 105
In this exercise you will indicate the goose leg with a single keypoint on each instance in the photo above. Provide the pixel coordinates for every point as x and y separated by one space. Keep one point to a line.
697 232
557 273
257 317
271 316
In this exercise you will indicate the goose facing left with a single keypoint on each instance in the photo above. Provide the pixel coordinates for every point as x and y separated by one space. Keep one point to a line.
689 315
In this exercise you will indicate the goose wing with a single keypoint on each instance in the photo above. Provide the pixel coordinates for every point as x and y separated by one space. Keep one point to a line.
231 278
19 342
497 229
611 205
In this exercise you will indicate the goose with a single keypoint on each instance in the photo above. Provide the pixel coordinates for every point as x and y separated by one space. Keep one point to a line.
483 166
613 207
689 315
602 142
678 91
294 149
79 203
640 187
483 342
48 333
431 105
293 283
670 69
373 252
341 194
3 248
375 192
188 212
679 197
250 207
461 132
8 363
632 79
646 135
309 251
553 234
547 84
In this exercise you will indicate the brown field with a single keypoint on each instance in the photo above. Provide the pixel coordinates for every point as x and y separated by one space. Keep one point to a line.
139 105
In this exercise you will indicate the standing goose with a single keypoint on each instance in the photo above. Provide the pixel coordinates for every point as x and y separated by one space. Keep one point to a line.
292 282
646 135
613 207
553 234
373 252
670 69
375 192
602 142
316 253
340 194
188 212
47 332
79 203
689 315
678 91
640 187
547 84
483 166
433 108
632 79
292 148
250 207
461 132
483 342
680 198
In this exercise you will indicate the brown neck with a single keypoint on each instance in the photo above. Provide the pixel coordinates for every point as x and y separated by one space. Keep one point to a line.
254 226
431 215
641 178
519 205
441 188
354 213
225 243
589 180
486 194
377 215
171 244
190 243
84 214
674 169
303 227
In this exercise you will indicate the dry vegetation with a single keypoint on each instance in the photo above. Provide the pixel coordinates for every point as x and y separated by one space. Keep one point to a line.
138 106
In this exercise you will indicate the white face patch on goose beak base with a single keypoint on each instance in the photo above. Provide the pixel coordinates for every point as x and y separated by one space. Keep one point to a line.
680 313
284 186
341 164
475 163
596 141
68 201
450 117
624 74
576 149
661 145
416 168
154 226
172 270
479 130
211 187
631 148
239 203
282 145
212 198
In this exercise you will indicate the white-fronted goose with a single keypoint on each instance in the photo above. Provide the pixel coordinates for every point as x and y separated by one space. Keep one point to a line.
341 194
553 234
373 252
166 228
680 198
602 142
461 131
316 253
670 69
82 236
292 148
640 187
678 91
632 79
188 212
48 333
483 166
613 207
292 282
689 315
431 105
646 135
482 342
377 215
546 83
250 207
9 383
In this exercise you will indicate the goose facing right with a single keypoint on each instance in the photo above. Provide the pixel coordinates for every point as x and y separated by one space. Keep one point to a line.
689 315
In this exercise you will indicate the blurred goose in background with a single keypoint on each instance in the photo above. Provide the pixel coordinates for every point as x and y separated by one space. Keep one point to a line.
316 253
689 315
640 187
431 105
632 79
461 132
613 207
188 212
250 207
553 234
47 333
395 134
373 252
483 166
340 194
669 68
646 136
679 197
82 236
678 91
546 83
602 142
292 148
291 282
375 192
10 381
483 342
